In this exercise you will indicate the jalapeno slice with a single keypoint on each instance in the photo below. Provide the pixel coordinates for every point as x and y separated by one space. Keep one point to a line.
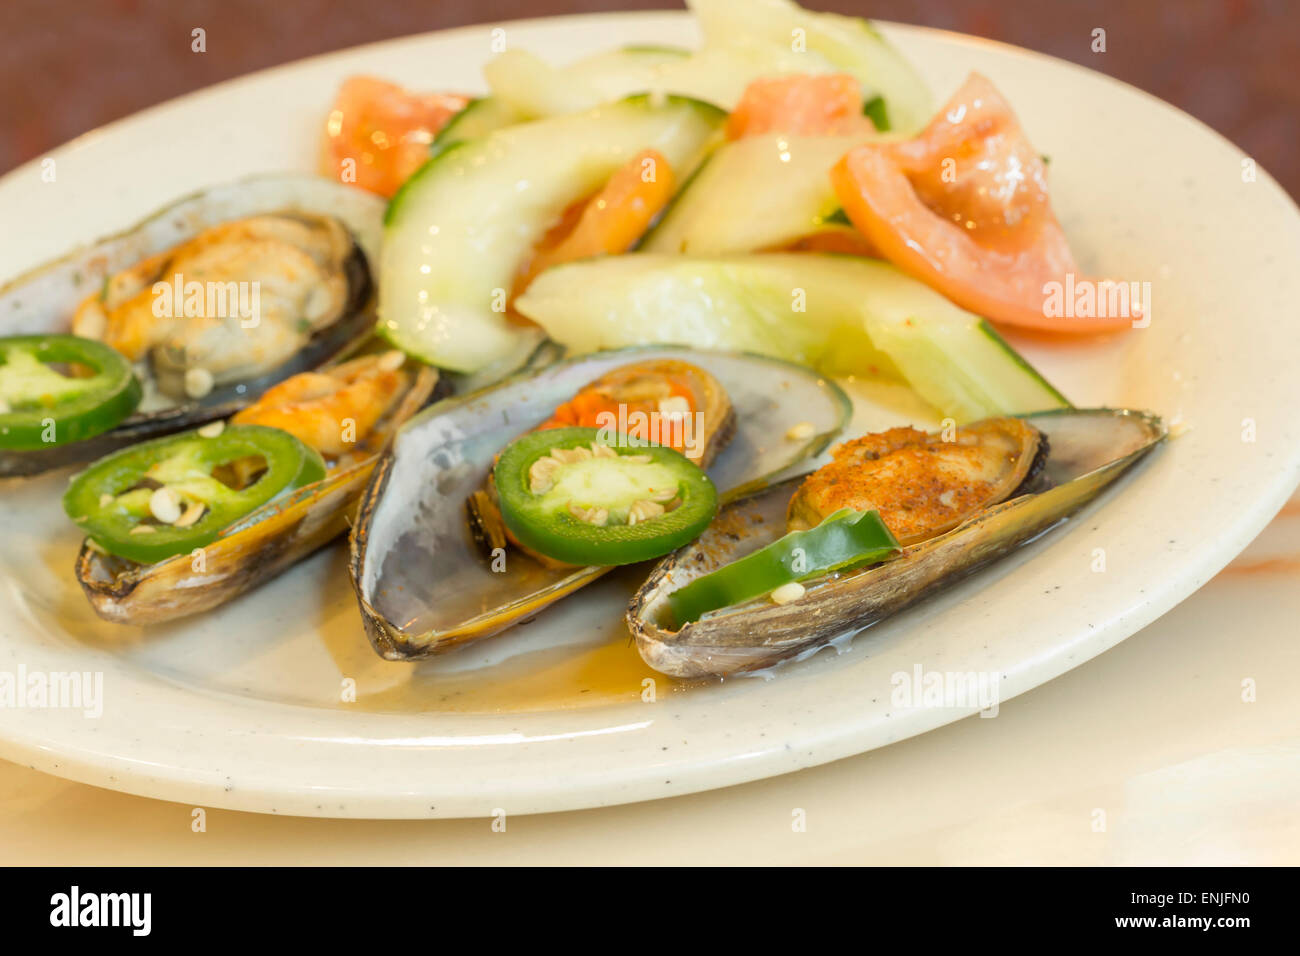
587 496
40 406
844 540
169 496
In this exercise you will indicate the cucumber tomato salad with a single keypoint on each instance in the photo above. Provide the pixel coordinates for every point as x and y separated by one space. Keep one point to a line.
788 188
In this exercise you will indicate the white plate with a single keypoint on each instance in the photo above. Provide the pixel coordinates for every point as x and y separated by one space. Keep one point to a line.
241 708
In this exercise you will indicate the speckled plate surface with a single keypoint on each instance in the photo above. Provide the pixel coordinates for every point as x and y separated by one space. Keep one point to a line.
249 708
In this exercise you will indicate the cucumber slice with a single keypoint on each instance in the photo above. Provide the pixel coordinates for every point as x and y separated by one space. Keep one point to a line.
744 39
762 192
479 118
531 87
458 229
615 71
842 314
848 44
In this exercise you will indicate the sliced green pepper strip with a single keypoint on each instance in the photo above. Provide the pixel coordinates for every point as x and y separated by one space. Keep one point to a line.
40 407
112 498
844 540
634 503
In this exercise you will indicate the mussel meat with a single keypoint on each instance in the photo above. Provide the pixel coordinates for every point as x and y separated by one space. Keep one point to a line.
215 298
1037 488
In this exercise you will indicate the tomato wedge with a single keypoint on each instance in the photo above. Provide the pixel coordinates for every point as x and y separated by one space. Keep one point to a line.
964 208
609 222
801 105
384 130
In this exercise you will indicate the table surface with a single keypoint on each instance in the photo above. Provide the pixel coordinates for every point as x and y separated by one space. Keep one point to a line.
1179 746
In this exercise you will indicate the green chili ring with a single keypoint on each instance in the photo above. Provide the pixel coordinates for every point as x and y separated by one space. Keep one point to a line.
632 503
109 503
43 408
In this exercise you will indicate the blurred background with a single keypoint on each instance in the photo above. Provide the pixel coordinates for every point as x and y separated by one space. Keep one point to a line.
67 66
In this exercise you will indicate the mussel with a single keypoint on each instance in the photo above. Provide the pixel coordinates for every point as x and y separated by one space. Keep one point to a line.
640 386
1039 484
261 544
298 246
423 580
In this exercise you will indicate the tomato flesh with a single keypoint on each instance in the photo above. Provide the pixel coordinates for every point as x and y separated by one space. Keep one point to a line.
633 399
384 130
611 221
801 105
964 207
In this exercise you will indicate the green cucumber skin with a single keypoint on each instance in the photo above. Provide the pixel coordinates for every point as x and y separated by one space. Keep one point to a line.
477 116
648 239
412 184
987 328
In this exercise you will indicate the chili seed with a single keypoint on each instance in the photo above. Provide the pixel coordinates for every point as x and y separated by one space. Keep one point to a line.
788 593
198 382
165 505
